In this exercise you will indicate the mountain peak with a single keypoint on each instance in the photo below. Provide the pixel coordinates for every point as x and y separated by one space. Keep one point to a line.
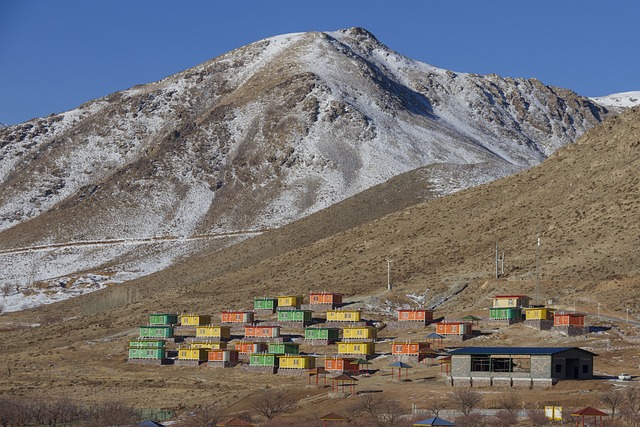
252 140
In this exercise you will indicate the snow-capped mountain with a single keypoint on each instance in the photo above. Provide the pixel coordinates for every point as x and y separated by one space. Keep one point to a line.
266 134
620 100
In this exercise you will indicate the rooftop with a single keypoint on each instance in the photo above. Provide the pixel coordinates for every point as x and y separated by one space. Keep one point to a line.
514 350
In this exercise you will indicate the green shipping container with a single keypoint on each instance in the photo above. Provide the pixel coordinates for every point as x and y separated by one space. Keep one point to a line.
147 344
303 316
163 319
505 313
263 359
322 334
265 303
283 348
156 331
146 353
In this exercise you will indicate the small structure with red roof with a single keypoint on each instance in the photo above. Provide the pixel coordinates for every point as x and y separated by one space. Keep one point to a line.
504 301
589 411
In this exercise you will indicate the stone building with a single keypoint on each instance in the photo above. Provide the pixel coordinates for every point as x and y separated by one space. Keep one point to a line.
519 366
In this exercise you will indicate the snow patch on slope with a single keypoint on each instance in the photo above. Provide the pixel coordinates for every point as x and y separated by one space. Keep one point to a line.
620 100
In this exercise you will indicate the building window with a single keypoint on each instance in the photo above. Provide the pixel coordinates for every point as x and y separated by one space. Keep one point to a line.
480 363
558 368
405 315
398 349
585 369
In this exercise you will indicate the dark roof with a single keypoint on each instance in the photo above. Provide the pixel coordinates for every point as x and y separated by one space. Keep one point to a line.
434 421
514 350
149 423
400 365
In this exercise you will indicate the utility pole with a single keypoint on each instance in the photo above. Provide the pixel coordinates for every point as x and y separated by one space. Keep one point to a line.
496 260
389 261
537 296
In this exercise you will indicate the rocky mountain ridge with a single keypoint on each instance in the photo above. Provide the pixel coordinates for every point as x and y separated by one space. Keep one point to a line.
266 134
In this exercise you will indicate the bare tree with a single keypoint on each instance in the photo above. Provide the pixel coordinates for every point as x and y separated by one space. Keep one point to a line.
378 411
537 417
505 418
5 289
435 405
612 398
272 403
465 399
631 407
509 401
470 420
204 416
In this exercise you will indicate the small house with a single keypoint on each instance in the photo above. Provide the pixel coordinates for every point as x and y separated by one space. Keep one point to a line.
289 301
359 333
568 319
262 331
411 351
246 347
539 317
519 366
156 319
296 361
209 345
508 314
156 331
502 301
539 313
418 315
222 358
356 348
146 350
263 360
265 304
219 332
192 356
283 348
452 328
341 364
236 316
330 299
195 319
344 316
327 335
296 315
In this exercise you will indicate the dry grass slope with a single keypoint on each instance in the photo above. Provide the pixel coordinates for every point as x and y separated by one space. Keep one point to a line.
584 203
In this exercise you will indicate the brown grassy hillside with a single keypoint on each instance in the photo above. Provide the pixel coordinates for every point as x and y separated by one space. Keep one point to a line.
583 203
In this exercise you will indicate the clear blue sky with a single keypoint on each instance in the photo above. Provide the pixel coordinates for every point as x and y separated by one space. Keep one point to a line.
57 54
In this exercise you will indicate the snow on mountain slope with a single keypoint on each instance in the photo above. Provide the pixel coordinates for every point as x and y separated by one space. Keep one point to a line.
251 140
619 100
